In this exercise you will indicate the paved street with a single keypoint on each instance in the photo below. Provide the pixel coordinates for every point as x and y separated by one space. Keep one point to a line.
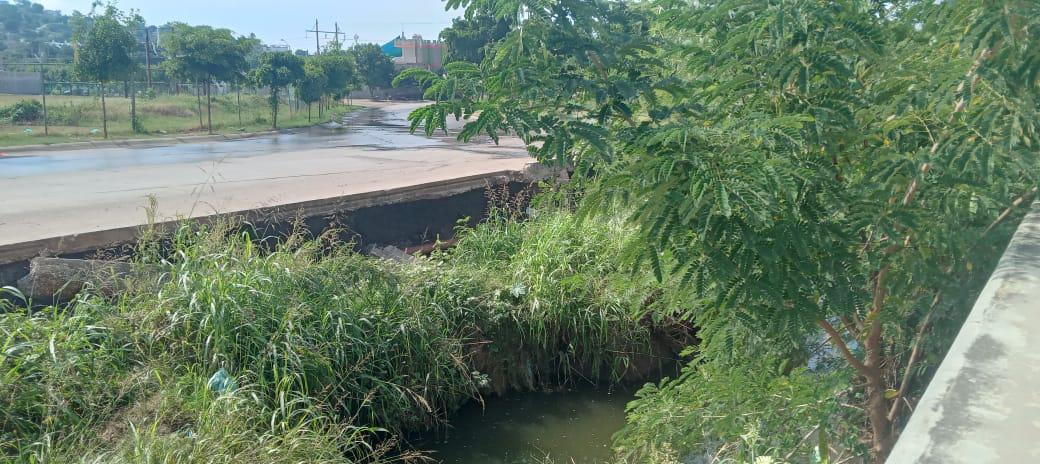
49 194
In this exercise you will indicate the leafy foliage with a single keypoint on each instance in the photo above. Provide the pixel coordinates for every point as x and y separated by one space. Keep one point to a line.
375 69
105 48
786 159
468 38
276 71
203 53
22 111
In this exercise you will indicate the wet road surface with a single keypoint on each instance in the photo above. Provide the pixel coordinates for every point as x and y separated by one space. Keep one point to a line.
50 194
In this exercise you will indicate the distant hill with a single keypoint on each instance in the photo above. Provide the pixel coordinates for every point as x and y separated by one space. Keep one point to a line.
29 32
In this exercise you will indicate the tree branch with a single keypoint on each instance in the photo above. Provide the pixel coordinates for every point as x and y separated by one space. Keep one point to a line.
904 384
838 342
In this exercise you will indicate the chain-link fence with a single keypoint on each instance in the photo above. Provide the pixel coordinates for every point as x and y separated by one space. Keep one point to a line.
67 111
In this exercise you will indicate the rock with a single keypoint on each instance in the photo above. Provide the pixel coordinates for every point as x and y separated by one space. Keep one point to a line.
59 279
391 252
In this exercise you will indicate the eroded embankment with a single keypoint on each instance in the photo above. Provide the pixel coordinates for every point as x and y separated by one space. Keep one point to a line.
331 355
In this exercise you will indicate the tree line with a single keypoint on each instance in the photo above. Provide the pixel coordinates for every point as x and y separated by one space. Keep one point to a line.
106 52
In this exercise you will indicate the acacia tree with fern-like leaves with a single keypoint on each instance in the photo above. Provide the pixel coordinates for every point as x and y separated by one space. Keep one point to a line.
850 169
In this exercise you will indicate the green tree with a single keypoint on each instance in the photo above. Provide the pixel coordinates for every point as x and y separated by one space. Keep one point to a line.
468 38
277 71
786 160
205 55
375 69
103 51
313 86
339 69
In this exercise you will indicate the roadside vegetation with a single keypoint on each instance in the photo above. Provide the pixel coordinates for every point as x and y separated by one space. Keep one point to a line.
199 58
329 356
78 119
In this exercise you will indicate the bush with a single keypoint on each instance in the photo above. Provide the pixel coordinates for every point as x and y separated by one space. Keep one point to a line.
23 111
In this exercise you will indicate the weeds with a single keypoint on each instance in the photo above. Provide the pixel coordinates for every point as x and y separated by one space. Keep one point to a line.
335 354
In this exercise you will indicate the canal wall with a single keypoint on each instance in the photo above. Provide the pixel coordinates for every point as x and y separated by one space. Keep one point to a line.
400 217
981 406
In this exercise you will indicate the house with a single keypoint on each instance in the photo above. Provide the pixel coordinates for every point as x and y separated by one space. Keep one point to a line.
418 53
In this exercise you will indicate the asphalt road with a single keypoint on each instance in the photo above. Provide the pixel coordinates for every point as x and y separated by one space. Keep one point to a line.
51 194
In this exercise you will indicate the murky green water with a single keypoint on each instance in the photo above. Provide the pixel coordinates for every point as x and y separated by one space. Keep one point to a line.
526 428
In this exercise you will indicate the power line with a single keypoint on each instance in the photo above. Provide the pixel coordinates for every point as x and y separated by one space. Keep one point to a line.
317 38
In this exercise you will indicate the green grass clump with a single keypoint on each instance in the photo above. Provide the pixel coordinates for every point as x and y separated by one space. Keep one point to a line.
335 355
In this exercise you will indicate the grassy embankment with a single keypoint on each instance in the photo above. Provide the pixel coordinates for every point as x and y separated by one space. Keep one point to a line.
75 118
333 355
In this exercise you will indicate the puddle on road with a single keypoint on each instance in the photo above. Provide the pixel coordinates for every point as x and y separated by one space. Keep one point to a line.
526 428
368 127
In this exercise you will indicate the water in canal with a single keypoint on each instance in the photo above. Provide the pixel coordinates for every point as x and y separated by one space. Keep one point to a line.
525 428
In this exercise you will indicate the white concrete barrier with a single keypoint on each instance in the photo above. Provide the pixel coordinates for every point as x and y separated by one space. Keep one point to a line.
983 405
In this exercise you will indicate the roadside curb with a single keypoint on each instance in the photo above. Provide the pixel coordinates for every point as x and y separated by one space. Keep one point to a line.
129 143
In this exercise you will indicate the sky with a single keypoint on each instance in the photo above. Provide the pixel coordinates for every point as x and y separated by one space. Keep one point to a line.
376 21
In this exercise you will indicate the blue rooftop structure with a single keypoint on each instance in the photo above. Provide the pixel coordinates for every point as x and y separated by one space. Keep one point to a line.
389 49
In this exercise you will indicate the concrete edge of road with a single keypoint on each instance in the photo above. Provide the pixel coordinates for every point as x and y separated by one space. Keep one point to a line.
981 405
132 143
94 240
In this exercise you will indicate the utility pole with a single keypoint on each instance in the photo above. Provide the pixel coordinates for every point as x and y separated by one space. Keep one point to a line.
317 44
148 56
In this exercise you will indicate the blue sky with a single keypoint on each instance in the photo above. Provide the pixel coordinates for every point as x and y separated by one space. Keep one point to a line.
373 21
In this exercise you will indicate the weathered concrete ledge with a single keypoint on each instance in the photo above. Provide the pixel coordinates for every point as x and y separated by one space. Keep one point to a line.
983 405
401 216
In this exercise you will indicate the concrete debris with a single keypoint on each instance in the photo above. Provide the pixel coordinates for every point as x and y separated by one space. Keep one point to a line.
390 252
59 279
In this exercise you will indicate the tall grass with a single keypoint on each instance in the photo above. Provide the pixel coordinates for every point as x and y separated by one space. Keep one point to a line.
335 354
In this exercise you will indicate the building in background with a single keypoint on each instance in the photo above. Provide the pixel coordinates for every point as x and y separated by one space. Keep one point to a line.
417 53
277 48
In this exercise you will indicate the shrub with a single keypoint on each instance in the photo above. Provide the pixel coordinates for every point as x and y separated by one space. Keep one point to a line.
23 111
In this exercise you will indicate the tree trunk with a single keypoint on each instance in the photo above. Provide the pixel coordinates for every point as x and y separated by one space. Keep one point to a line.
104 112
274 107
133 108
198 99
43 94
309 112
877 404
238 93
209 109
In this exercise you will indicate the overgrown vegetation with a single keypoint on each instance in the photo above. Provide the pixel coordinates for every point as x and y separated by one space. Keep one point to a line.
332 353
843 169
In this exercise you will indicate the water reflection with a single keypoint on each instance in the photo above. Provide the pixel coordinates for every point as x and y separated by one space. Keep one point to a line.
527 428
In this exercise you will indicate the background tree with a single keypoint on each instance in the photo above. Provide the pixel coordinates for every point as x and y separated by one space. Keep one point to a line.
339 69
313 86
103 51
375 68
277 71
468 38
206 55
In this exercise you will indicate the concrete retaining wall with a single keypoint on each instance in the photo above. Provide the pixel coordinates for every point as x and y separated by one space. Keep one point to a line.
401 217
983 405
21 83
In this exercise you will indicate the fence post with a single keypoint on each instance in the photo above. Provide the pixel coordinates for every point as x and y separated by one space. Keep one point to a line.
133 106
43 94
